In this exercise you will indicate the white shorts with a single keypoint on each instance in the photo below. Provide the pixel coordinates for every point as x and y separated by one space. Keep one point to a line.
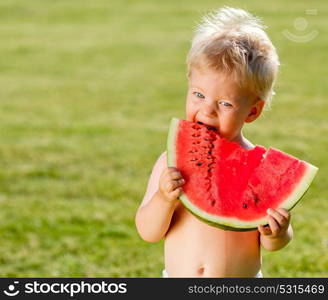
165 275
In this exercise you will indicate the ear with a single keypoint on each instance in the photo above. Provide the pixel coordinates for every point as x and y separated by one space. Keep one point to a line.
255 111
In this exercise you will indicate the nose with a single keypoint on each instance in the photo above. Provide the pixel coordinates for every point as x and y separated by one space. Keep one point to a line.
209 108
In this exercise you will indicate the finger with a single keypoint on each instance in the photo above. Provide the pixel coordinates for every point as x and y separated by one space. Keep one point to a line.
175 175
280 219
261 229
178 183
170 186
176 193
265 230
173 184
274 226
284 212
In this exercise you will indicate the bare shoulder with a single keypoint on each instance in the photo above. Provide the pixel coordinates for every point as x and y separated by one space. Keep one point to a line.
158 168
153 182
162 160
160 164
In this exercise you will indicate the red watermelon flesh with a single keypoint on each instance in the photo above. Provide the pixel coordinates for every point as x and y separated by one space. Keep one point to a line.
229 186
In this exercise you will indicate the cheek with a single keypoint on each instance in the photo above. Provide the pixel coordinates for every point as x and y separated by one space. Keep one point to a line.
233 119
240 119
191 109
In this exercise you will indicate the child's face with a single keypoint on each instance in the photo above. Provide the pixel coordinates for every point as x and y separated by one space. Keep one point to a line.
216 100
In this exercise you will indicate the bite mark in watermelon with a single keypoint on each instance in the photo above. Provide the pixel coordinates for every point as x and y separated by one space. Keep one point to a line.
229 186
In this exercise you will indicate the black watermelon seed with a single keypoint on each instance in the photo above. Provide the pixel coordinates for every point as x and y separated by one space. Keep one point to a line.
213 202
244 205
199 163
211 128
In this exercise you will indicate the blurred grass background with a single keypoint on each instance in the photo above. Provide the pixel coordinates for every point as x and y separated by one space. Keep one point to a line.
87 92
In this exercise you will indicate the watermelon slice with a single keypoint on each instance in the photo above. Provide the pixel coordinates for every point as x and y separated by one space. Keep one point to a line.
229 186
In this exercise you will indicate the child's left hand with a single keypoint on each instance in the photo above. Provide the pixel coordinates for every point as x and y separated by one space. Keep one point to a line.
279 220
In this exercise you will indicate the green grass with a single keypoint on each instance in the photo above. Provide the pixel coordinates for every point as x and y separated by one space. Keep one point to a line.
87 92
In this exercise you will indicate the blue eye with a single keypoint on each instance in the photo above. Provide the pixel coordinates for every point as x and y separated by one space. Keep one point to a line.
199 95
227 104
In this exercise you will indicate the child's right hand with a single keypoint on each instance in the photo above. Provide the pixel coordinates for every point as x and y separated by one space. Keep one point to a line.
170 184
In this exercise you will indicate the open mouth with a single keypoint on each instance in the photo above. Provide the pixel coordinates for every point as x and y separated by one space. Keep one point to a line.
207 126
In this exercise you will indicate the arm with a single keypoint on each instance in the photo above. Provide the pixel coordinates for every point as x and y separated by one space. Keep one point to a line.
153 219
279 233
154 215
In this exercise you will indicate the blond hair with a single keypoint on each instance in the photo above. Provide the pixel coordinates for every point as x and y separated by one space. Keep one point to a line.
233 41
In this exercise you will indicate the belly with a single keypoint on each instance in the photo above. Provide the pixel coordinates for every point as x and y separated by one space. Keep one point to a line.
195 249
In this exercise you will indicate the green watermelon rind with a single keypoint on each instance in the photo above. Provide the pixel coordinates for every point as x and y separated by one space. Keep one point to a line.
185 200
171 157
236 224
